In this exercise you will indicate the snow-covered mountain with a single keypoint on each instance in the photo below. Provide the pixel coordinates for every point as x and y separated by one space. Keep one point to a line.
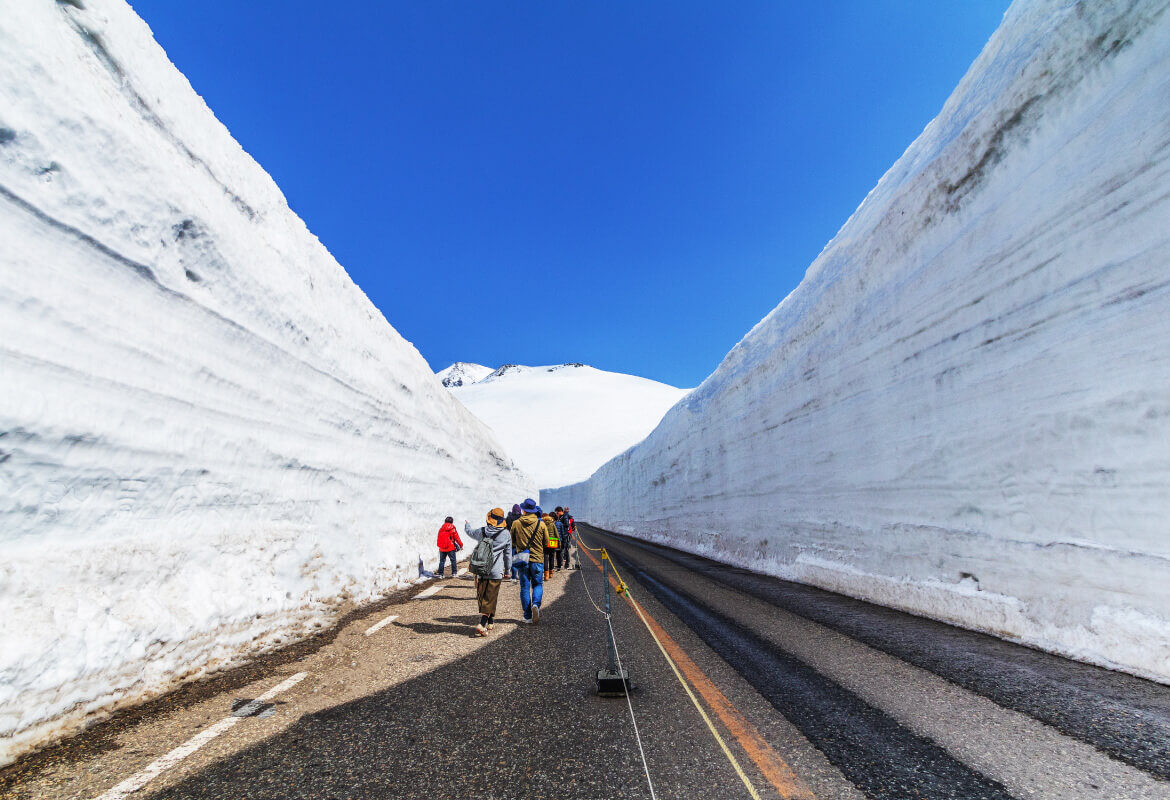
208 433
462 374
562 422
964 408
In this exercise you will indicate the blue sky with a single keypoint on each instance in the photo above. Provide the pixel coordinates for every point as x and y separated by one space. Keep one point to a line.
629 184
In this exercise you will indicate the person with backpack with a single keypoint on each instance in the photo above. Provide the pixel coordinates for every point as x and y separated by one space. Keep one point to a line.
562 552
449 545
529 537
490 560
571 538
553 543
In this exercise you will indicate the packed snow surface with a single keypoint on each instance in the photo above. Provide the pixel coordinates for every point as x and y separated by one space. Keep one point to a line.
461 374
964 408
562 422
208 434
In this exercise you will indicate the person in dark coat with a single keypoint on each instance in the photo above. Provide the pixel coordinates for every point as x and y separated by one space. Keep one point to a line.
514 515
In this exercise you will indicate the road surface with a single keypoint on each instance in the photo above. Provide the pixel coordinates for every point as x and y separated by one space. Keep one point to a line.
744 686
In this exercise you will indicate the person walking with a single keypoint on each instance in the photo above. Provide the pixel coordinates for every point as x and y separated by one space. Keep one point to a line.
562 554
513 515
487 589
552 543
571 531
449 545
529 537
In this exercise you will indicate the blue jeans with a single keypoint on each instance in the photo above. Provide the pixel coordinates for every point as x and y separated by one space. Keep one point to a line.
531 583
443 559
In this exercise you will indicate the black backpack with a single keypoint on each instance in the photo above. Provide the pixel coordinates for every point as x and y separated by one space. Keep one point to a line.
483 558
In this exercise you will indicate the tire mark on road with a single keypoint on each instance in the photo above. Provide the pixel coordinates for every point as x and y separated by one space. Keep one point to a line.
882 758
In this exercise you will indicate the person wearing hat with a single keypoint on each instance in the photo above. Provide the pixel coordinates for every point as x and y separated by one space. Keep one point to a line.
487 590
529 537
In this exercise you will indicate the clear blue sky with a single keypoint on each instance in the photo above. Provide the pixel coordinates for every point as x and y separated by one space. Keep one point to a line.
629 184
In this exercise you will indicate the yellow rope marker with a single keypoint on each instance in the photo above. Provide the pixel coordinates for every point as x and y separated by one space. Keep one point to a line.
775 769
585 546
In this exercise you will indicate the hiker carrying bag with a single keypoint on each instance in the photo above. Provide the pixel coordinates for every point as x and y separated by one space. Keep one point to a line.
483 559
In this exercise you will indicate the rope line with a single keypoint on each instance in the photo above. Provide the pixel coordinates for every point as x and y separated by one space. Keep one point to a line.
710 725
582 544
630 703
590 595
686 687
625 684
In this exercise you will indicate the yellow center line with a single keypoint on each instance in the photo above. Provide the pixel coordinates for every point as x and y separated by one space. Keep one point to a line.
774 768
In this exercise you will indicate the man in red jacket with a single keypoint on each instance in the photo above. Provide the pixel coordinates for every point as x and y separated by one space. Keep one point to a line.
449 545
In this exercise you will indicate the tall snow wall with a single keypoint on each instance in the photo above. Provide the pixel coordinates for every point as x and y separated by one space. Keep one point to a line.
208 434
964 409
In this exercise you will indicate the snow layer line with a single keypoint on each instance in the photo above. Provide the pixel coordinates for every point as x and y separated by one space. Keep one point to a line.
208 435
964 408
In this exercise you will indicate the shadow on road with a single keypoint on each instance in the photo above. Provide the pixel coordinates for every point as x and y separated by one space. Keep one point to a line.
517 717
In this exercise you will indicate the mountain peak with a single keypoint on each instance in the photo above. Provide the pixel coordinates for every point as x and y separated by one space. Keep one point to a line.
463 373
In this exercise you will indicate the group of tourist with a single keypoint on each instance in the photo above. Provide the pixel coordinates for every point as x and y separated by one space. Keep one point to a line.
526 545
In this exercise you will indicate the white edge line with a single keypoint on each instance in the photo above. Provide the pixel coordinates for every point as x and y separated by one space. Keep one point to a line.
429 592
165 762
375 628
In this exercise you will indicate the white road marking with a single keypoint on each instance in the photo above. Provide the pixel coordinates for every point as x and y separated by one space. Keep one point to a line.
165 762
429 591
374 629
462 571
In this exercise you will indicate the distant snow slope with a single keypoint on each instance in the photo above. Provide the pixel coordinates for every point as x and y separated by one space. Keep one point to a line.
562 422
964 408
461 374
207 433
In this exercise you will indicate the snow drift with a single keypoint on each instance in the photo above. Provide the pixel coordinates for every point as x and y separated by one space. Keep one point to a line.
964 408
562 422
208 434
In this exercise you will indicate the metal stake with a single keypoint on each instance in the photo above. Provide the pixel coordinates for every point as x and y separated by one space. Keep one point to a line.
611 682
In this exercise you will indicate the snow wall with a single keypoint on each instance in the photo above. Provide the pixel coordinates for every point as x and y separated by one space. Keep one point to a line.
964 409
208 434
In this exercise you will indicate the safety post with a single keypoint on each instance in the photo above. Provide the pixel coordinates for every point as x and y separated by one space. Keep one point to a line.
611 681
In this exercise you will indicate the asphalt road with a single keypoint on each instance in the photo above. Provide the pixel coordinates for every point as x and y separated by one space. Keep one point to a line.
742 684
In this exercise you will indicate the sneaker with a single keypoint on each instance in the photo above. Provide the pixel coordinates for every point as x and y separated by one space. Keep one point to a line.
489 625
536 615
480 630
525 621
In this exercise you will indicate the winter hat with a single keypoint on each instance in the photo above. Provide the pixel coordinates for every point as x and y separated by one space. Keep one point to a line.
516 508
449 520
528 506
496 516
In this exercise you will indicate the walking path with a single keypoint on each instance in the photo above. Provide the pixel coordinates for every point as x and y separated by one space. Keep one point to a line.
745 686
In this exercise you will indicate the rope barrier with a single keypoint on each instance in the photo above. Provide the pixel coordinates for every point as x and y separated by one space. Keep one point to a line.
589 594
625 684
630 703
582 544
624 590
